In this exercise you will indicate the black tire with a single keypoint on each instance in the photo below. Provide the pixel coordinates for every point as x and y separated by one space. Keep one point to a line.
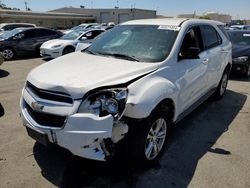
137 140
247 73
8 53
68 49
222 87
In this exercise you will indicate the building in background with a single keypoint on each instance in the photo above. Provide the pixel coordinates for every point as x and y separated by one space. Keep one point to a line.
45 19
115 15
225 18
188 16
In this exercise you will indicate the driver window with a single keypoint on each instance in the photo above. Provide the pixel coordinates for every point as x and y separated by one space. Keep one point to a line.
191 40
19 36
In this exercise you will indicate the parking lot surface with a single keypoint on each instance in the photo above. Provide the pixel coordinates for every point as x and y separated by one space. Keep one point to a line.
209 148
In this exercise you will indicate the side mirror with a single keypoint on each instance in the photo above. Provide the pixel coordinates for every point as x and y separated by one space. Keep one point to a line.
191 53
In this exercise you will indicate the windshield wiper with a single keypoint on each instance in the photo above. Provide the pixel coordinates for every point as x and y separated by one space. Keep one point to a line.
122 56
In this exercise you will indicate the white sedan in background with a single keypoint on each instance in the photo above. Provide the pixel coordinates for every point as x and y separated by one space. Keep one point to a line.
67 43
82 26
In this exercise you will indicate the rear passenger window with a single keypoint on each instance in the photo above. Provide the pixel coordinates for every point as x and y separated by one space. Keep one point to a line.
210 36
42 32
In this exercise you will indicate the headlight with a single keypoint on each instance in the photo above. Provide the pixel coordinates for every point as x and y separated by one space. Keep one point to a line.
104 102
240 59
57 46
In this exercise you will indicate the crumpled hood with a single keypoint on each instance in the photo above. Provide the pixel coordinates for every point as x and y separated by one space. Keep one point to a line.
240 50
78 73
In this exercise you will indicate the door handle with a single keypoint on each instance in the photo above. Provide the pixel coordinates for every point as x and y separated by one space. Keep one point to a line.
205 61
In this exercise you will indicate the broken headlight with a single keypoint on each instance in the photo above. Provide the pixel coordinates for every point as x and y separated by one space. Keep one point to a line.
105 102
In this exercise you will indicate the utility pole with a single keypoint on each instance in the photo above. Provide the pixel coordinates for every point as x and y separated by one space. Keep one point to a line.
26 5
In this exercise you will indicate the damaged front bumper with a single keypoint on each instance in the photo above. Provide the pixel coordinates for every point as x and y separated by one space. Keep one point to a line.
83 135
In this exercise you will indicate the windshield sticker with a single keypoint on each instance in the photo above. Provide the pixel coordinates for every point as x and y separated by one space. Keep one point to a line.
246 35
169 27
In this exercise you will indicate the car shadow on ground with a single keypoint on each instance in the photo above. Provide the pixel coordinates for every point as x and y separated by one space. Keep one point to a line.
47 59
1 110
190 140
3 73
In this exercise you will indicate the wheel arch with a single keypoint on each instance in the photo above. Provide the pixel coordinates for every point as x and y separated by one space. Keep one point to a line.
69 46
166 105
144 99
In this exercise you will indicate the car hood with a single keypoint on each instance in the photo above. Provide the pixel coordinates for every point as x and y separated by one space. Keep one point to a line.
55 42
78 73
240 50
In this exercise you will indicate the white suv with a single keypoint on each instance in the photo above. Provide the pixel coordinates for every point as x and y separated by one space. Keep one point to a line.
127 88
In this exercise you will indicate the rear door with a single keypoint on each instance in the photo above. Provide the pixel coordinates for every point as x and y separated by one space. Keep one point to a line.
192 70
215 52
42 35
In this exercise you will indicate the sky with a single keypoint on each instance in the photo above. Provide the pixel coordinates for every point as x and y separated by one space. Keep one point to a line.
239 9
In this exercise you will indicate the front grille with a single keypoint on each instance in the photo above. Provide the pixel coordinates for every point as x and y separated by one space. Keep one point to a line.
44 119
49 95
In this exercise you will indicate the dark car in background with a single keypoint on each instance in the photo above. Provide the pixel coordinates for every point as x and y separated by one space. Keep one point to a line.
10 26
25 41
241 51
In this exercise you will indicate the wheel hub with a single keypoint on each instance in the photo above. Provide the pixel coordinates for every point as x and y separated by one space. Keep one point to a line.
156 138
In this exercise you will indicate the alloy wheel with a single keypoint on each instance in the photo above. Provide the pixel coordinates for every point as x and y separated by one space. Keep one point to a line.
8 54
155 138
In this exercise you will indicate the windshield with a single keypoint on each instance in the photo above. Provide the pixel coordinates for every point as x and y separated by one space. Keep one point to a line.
73 35
148 43
240 38
8 34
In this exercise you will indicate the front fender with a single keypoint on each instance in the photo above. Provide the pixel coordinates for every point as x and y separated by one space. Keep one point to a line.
146 94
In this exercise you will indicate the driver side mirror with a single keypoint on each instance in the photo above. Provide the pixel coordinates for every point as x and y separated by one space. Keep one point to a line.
191 53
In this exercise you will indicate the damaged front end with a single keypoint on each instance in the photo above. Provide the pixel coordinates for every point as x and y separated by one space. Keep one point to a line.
91 127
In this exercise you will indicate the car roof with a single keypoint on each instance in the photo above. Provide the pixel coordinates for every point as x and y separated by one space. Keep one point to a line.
163 21
170 21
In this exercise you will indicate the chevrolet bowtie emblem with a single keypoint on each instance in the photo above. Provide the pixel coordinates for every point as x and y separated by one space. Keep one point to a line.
36 106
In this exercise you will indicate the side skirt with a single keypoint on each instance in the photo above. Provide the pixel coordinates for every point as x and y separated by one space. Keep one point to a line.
195 105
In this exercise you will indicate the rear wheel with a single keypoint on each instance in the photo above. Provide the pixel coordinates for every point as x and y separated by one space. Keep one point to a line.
68 50
8 54
221 89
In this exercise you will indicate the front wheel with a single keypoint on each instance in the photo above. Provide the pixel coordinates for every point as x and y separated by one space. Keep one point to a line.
8 54
222 87
147 139
68 50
